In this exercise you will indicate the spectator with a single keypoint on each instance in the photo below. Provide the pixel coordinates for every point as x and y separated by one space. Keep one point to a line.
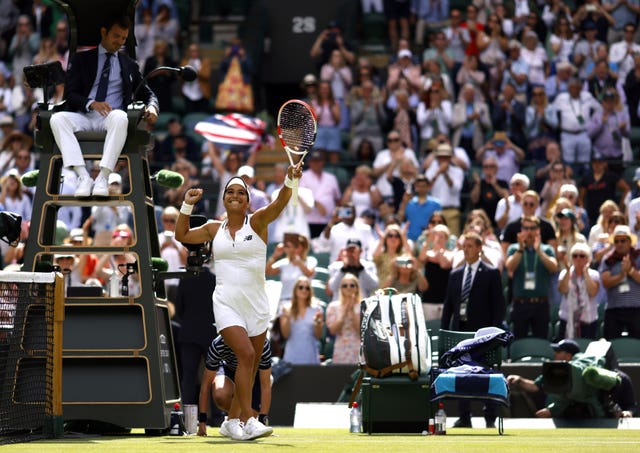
607 128
417 209
458 37
538 128
403 68
446 185
562 39
292 219
505 151
162 83
328 111
516 71
599 185
633 207
362 193
197 93
189 173
167 28
570 193
291 262
574 112
558 82
470 121
342 227
474 27
343 321
429 16
551 190
624 15
602 78
145 31
258 198
325 190
488 190
492 43
437 261
329 39
531 263
441 51
403 116
586 48
13 143
604 243
13 197
61 39
46 53
530 207
509 209
24 46
578 284
172 251
406 276
622 52
392 243
601 226
567 235
535 56
176 144
433 115
621 278
391 157
224 170
301 324
109 265
367 114
103 218
339 74
351 262
471 74
398 13
552 154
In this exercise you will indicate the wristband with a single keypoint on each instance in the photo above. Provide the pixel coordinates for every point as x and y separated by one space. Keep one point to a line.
264 419
202 417
186 208
289 182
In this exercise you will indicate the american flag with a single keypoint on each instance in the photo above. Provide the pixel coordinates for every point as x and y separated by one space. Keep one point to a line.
233 130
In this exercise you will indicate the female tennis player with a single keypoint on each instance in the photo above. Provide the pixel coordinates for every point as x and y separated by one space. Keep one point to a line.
240 302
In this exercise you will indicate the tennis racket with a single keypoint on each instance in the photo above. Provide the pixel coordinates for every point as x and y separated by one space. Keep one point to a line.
297 127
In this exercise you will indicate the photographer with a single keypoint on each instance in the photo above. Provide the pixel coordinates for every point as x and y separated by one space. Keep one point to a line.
328 40
342 227
351 263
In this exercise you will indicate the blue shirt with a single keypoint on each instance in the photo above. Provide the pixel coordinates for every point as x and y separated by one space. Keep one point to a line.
418 215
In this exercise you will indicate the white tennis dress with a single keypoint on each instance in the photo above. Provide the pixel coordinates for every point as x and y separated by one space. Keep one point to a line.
240 297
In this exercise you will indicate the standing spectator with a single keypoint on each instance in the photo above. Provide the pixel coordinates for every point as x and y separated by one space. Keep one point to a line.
632 91
493 42
509 209
622 52
433 115
562 39
167 28
579 285
145 31
559 82
172 251
488 190
458 38
624 14
13 197
367 115
585 49
536 58
550 192
406 276
470 121
325 190
446 185
391 244
342 227
197 93
403 118
329 39
633 207
292 219
600 185
24 46
516 70
474 27
161 84
474 300
507 153
531 263
328 111
417 209
441 51
472 74
607 128
510 113
61 39
620 271
537 124
362 193
530 207
343 321
437 261
575 109
391 157
339 74
290 262
397 13
429 15
301 325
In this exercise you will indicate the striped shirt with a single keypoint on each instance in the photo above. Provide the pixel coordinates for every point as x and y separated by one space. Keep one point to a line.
221 354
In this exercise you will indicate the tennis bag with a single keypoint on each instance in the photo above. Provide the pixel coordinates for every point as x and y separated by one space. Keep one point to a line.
394 336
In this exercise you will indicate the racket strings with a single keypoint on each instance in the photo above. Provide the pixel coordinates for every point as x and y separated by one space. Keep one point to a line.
297 128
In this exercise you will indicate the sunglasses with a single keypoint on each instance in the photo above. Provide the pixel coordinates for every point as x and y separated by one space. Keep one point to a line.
578 255
348 285
489 166
393 139
621 241
397 236
529 228
528 203
169 220
304 288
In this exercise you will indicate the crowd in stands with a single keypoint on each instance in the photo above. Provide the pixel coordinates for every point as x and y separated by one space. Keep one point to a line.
510 120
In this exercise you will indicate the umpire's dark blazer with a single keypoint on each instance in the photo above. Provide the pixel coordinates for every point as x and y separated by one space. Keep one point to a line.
82 71
486 305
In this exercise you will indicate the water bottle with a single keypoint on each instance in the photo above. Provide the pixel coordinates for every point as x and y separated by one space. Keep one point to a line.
176 423
355 418
441 420
114 285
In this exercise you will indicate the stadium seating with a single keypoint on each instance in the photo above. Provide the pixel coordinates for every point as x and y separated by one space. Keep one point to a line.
530 349
627 349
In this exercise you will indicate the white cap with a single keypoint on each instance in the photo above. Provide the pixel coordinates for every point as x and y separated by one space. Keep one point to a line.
246 170
405 53
115 178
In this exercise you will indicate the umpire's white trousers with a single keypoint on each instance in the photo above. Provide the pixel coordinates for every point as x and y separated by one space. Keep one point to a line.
65 124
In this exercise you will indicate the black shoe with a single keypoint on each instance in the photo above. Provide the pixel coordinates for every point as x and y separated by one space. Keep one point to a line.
462 423
491 423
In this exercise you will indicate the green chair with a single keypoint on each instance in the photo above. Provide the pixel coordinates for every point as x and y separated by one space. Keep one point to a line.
531 350
319 288
627 349
322 274
323 258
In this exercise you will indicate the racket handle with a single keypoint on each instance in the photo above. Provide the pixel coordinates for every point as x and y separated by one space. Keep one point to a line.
294 193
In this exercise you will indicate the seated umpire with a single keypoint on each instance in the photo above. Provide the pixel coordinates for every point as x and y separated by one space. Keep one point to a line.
100 84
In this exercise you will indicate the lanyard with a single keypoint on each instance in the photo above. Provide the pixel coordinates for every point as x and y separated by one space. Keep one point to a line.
526 261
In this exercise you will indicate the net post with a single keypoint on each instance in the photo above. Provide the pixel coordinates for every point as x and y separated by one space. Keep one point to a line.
54 422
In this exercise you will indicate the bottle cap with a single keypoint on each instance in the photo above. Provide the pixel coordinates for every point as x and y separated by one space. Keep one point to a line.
176 406
355 404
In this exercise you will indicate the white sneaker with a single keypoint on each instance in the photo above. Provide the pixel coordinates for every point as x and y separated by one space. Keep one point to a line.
85 183
101 187
254 429
233 429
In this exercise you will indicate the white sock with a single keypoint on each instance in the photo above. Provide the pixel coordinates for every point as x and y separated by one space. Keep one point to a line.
81 170
105 172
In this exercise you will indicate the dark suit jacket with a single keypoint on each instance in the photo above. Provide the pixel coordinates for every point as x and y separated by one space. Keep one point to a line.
81 74
486 305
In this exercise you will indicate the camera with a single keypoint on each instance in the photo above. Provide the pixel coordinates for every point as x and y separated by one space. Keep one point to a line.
345 212
403 262
332 36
